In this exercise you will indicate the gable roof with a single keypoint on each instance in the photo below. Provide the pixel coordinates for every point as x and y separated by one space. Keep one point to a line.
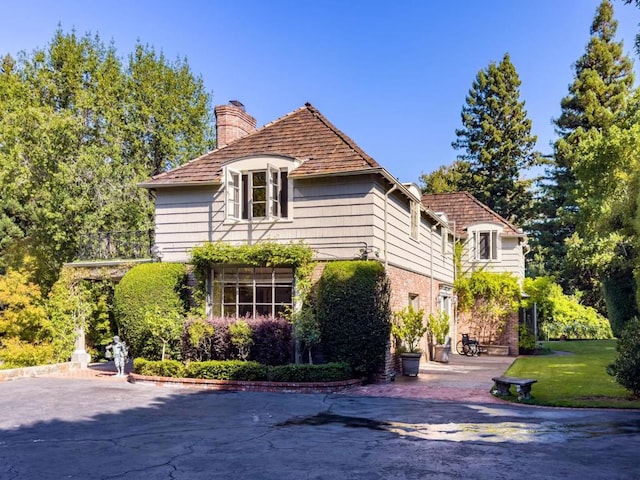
304 134
464 209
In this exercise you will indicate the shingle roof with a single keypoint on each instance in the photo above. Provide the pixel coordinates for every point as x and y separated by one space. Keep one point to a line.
304 134
464 209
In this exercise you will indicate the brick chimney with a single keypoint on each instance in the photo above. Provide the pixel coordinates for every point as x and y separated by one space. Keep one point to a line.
232 123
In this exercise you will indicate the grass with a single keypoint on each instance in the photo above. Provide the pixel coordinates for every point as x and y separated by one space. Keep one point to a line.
576 379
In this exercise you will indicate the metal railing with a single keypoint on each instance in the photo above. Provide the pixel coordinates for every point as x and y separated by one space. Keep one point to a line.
116 245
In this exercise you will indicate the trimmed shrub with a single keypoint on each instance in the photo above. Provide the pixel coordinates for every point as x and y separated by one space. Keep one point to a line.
354 315
167 368
626 367
227 370
272 341
150 287
211 340
328 372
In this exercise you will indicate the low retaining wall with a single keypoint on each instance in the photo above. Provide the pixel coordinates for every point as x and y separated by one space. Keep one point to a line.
243 386
26 372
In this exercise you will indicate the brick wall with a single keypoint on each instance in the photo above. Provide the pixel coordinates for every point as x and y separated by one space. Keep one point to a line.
232 123
403 284
509 335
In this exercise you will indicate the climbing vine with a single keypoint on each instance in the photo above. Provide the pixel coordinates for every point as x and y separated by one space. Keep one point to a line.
492 297
268 254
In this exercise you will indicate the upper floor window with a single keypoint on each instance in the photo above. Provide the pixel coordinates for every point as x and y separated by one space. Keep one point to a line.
486 245
257 194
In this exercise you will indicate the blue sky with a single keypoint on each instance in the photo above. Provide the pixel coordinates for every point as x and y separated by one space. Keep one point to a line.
392 75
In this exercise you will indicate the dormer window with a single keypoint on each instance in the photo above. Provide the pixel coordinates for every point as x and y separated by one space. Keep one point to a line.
257 194
486 245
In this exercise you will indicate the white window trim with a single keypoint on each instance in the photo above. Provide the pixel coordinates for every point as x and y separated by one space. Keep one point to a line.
235 192
495 245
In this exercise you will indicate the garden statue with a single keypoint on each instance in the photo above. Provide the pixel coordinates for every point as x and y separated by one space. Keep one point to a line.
118 350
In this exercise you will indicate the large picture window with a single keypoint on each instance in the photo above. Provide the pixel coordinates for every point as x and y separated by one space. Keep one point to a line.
251 291
257 194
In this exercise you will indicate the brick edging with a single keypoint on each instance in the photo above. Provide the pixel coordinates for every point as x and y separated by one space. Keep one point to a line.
246 386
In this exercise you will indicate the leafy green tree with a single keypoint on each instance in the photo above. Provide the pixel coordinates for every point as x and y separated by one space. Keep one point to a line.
447 178
79 130
496 141
563 315
169 119
599 93
165 327
608 169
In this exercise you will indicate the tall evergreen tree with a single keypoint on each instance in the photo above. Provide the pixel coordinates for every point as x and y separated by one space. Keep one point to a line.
497 142
600 91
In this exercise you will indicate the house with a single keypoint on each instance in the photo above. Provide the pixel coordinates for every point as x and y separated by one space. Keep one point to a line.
299 178
489 243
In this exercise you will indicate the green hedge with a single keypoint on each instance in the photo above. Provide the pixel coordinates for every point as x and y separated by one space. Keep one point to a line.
168 368
247 371
226 370
354 315
328 372
156 288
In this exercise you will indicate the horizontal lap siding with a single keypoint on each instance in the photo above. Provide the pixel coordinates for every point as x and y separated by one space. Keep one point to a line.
424 255
183 219
332 218
511 259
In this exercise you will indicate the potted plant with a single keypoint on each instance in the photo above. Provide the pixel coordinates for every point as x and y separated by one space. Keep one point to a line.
408 329
439 327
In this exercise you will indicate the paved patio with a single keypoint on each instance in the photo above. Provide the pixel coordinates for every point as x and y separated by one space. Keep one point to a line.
463 379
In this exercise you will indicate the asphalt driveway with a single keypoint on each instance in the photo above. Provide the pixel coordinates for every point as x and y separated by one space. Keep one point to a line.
56 428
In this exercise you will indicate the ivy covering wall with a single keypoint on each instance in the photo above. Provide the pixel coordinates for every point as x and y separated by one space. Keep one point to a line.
354 315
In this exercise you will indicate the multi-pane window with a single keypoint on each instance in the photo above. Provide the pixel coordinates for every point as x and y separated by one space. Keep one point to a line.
257 194
251 291
486 245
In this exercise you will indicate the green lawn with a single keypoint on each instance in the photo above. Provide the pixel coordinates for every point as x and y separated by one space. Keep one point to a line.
576 379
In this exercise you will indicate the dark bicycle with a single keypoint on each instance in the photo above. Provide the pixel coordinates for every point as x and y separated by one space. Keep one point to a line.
468 346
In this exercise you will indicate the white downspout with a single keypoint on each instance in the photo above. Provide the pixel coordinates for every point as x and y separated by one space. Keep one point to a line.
386 208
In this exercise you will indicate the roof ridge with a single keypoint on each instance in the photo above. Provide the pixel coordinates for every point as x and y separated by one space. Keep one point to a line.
479 203
279 119
344 137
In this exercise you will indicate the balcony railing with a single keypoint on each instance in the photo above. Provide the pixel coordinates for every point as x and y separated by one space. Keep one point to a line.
116 245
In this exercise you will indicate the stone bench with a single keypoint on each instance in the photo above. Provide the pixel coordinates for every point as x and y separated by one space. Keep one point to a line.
523 386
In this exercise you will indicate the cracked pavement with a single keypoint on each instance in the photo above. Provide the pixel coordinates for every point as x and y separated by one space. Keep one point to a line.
57 428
